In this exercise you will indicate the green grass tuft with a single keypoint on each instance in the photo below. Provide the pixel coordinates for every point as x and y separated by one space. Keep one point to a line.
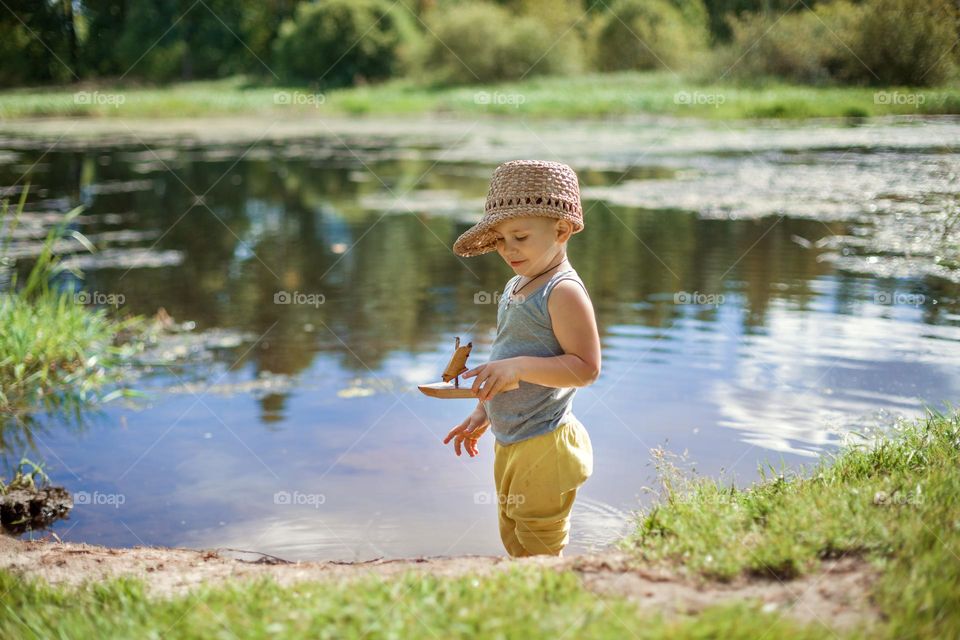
56 353
518 603
893 503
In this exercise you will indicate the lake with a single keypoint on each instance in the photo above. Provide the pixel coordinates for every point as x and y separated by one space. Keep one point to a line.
763 291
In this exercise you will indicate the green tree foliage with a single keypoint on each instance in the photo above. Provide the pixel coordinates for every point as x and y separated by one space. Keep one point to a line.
163 41
483 42
259 27
881 42
649 34
37 42
337 43
720 11
800 46
181 39
105 23
907 42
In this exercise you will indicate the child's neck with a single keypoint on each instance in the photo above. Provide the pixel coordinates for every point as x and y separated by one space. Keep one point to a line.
557 264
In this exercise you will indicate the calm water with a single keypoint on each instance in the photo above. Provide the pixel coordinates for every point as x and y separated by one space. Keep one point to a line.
760 293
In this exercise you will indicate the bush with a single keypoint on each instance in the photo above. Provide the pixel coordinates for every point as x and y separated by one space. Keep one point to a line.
802 47
481 42
877 42
903 42
337 43
649 34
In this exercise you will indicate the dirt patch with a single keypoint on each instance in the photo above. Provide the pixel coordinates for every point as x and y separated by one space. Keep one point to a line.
837 596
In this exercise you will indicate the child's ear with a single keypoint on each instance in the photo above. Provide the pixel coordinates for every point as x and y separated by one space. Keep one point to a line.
564 230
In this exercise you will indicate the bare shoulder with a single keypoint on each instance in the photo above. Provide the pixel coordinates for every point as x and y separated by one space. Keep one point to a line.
569 304
567 295
574 323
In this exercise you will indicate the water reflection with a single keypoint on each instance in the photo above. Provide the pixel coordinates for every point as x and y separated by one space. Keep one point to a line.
774 354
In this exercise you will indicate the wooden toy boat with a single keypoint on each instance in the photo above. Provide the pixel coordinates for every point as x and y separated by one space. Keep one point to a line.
456 366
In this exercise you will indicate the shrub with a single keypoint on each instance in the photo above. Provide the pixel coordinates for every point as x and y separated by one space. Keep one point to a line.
793 47
481 42
338 43
903 42
799 46
649 34
877 42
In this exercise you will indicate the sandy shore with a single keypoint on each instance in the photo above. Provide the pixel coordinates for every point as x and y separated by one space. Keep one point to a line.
837 596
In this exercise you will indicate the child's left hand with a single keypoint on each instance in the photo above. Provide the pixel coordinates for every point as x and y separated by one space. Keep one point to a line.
495 376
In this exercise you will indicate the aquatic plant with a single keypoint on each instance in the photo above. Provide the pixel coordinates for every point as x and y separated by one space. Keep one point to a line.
56 354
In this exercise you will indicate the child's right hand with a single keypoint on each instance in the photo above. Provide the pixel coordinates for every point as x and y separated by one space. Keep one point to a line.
469 431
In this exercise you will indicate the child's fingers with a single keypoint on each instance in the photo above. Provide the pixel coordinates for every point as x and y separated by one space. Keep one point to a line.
481 391
457 429
458 434
491 388
476 385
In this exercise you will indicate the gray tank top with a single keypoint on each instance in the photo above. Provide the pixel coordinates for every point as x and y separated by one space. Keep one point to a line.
524 329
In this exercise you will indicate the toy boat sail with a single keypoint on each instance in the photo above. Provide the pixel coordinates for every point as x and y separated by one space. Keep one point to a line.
456 366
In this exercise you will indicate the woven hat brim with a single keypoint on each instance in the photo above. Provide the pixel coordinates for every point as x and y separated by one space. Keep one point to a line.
480 238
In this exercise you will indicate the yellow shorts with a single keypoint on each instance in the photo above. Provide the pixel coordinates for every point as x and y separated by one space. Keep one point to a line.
537 481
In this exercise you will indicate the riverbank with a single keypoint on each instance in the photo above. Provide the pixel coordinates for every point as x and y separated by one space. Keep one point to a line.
585 96
865 545
447 594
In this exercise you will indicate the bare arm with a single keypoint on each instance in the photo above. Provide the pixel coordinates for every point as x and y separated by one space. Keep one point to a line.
575 326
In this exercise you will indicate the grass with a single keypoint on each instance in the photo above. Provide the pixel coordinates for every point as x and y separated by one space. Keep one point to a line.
589 95
519 603
24 479
893 503
56 353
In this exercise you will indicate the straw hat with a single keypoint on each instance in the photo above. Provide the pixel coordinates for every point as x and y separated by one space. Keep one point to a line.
524 188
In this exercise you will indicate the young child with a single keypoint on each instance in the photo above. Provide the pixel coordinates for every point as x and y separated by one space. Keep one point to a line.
547 342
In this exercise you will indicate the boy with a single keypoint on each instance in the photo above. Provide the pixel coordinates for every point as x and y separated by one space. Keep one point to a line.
547 342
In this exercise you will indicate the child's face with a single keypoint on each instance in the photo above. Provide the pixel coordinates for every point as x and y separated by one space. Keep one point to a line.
530 243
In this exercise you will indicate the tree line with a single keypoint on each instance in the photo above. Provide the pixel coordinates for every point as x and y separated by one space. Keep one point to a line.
335 43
